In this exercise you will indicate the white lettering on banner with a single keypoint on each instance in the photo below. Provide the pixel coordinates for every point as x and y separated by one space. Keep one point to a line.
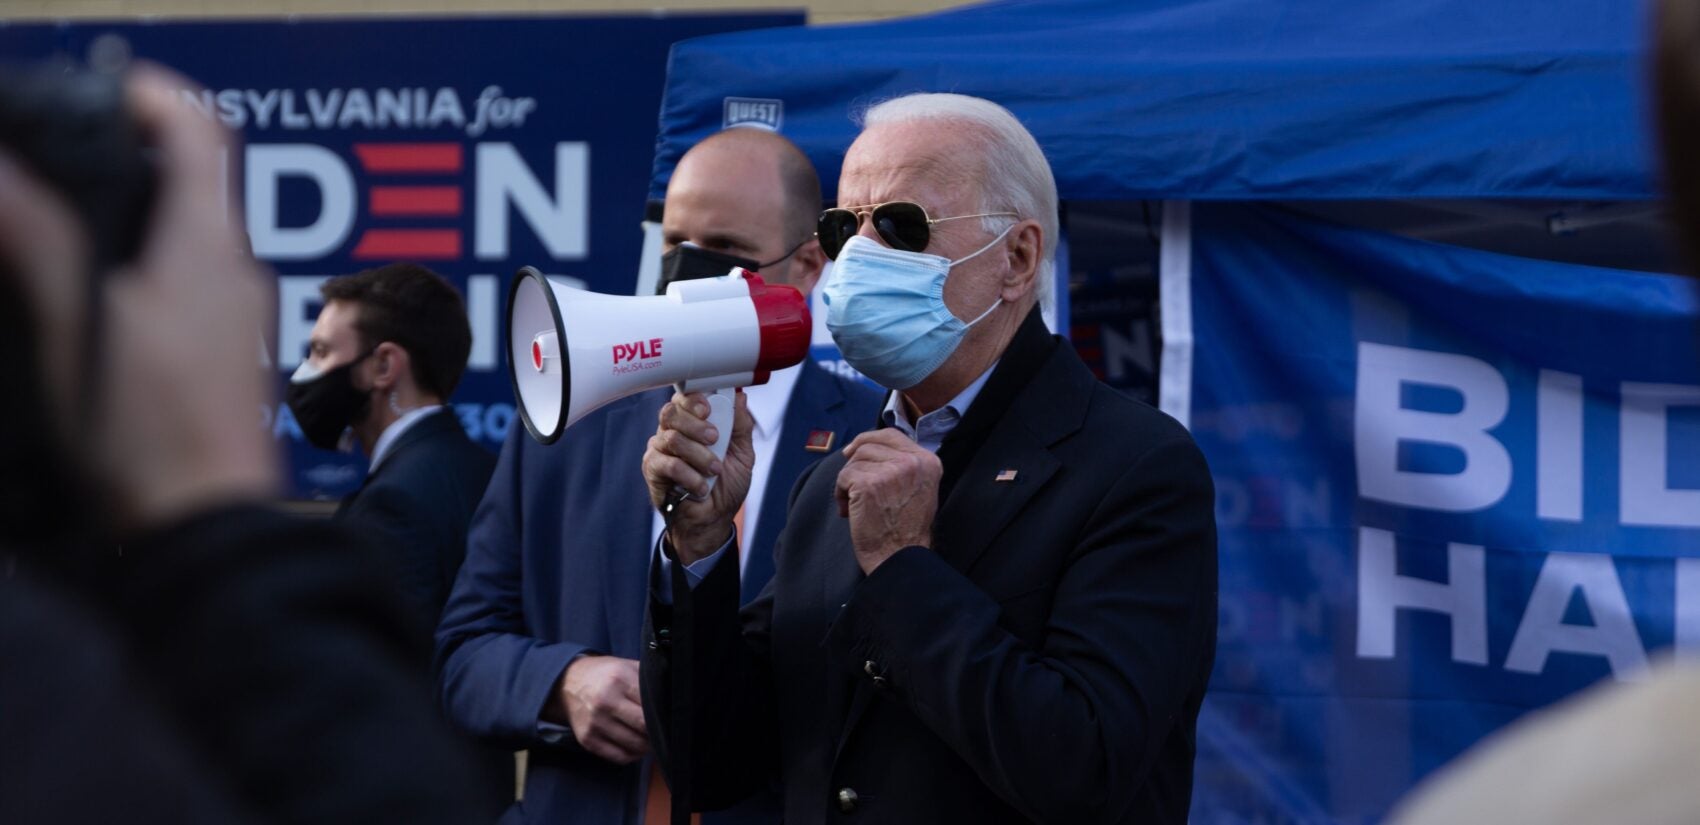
408 108
1383 423
1543 630
563 225
1462 598
1646 498
296 294
1644 476
1382 593
560 219
356 109
1688 605
1558 446
445 108
495 111
323 107
266 165
262 106
481 309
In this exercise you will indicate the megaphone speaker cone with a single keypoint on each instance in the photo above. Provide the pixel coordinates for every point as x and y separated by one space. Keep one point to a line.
542 379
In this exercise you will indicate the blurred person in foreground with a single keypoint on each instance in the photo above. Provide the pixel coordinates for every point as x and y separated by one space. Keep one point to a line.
999 607
387 350
1623 753
539 643
173 651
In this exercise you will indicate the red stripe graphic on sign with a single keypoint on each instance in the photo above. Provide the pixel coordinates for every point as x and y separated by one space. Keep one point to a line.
417 244
409 158
407 201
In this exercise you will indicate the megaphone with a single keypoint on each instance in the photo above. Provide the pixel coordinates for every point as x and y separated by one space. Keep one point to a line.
572 351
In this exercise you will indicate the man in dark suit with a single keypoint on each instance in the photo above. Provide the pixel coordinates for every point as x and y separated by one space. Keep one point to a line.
538 646
386 352
1017 627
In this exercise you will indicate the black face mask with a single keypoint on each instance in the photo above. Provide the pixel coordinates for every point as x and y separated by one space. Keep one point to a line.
688 263
326 403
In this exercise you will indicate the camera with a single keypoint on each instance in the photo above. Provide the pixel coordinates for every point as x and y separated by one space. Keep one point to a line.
69 127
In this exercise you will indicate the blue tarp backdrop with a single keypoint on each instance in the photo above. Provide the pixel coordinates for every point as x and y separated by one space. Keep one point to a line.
473 146
1452 486
1225 99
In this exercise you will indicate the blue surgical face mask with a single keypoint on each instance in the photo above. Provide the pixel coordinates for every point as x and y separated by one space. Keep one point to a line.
885 310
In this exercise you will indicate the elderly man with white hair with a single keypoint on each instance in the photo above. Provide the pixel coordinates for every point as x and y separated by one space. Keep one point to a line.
998 607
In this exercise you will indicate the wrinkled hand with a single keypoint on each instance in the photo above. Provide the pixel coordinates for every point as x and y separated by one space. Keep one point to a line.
680 455
889 489
183 389
597 696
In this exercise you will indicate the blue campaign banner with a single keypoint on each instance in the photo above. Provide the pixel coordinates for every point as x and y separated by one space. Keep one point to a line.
471 145
1453 486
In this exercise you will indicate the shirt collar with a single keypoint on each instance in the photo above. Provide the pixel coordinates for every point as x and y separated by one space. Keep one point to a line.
767 402
386 440
896 414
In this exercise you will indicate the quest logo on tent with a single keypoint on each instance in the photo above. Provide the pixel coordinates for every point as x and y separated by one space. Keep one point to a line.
764 112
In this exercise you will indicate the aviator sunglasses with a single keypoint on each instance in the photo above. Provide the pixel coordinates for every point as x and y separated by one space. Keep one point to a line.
903 225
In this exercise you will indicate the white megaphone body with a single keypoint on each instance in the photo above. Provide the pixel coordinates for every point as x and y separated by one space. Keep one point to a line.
572 351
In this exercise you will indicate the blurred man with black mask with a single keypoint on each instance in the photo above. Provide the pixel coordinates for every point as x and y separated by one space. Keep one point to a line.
174 652
539 642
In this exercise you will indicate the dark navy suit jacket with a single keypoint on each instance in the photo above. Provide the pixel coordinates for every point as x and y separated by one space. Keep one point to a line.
557 565
1043 660
417 504
415 508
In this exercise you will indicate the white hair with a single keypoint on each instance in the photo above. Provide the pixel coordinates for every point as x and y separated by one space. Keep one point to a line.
1017 177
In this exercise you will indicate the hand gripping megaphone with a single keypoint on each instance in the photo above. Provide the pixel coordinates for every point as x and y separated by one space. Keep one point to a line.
572 351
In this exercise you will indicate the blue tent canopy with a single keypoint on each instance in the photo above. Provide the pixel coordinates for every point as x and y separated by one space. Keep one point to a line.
1229 99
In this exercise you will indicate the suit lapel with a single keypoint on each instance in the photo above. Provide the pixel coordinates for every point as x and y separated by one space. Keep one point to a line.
1042 401
847 695
980 505
999 456
978 509
425 428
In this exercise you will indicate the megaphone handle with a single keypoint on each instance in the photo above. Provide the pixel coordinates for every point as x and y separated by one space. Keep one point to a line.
721 406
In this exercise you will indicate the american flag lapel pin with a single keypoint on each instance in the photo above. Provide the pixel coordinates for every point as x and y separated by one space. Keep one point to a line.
1006 475
820 441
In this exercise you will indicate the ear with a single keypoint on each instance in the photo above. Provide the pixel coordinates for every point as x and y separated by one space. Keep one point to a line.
806 265
390 364
1025 244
